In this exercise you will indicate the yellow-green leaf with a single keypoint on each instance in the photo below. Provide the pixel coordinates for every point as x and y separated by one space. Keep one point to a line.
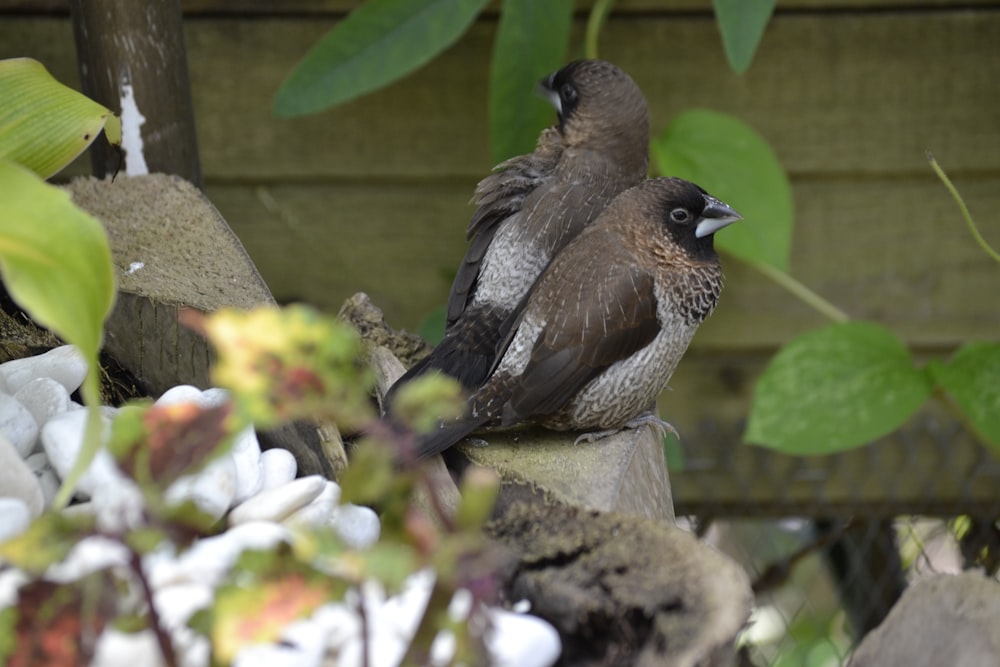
44 124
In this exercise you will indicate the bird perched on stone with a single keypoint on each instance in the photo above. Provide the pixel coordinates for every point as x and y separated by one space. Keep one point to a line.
533 205
608 321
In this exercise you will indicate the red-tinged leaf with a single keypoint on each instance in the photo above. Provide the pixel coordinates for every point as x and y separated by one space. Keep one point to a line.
256 614
183 437
290 363
58 624
156 445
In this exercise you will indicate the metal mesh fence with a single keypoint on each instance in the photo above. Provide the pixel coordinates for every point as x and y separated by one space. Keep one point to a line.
831 541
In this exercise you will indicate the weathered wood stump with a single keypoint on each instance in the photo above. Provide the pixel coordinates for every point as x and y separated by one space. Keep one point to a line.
173 250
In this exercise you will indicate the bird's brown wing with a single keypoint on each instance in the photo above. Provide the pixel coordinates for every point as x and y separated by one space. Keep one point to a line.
589 325
499 196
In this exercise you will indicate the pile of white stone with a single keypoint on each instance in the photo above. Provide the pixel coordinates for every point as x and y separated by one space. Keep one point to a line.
41 433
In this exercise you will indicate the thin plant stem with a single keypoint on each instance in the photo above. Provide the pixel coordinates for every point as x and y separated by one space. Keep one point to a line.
813 299
595 21
161 634
963 208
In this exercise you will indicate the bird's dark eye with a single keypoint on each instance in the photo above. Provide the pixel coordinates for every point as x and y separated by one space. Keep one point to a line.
567 93
680 215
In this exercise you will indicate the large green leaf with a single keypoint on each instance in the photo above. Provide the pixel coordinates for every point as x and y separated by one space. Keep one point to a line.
56 264
732 161
55 258
742 24
44 125
836 388
531 42
972 377
378 43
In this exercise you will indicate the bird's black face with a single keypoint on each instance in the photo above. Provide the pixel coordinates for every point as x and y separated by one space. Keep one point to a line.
562 91
692 216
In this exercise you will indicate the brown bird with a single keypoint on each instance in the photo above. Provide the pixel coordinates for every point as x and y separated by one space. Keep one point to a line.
608 320
533 205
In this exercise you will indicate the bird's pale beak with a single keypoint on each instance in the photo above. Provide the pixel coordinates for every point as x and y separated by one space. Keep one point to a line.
714 217
545 89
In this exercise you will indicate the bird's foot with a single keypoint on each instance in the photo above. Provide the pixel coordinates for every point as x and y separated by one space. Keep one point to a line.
645 419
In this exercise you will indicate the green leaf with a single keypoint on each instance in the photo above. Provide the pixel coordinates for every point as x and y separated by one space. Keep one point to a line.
742 24
834 389
379 42
56 264
48 540
44 125
732 161
55 259
972 377
531 42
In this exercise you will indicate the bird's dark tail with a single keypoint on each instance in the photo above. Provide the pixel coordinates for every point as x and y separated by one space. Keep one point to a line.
467 354
447 435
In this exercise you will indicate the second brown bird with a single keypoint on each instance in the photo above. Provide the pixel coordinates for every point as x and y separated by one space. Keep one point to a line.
533 205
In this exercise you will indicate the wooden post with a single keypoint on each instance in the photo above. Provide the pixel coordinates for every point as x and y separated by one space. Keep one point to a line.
132 59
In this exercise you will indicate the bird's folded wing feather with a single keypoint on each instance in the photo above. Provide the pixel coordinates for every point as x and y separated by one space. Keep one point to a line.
590 324
499 196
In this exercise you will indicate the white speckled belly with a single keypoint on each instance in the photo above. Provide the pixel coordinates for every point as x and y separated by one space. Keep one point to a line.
510 267
628 387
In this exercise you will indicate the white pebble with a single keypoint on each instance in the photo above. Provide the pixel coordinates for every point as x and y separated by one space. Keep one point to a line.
246 456
338 622
519 640
179 603
62 439
37 462
11 580
182 393
17 481
39 465
213 397
208 560
278 503
119 505
90 555
127 649
319 509
193 648
43 398
356 525
212 489
14 518
400 614
272 655
63 364
17 425
49 483
307 636
277 467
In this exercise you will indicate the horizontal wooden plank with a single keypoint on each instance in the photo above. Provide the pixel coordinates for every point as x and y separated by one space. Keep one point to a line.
836 94
930 466
895 252
328 7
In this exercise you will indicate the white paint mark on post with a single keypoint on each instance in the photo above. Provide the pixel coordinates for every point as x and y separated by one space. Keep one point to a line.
132 122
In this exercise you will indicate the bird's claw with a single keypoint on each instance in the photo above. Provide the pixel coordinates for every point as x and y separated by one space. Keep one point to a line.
646 419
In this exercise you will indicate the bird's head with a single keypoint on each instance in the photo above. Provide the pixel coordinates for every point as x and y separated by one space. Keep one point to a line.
689 215
598 105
